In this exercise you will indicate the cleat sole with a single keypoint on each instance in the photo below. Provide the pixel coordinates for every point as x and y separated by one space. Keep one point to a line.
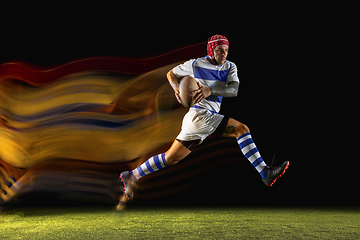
286 167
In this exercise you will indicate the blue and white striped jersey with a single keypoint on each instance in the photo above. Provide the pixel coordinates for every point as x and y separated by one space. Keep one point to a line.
208 74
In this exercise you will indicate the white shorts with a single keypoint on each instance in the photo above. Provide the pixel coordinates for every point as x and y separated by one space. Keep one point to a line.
199 124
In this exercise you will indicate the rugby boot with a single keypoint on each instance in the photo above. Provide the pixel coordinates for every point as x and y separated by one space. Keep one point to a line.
275 173
129 181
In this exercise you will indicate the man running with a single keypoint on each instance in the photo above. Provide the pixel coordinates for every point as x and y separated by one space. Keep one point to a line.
217 78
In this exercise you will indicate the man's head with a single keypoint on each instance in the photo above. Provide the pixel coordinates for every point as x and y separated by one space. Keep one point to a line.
217 48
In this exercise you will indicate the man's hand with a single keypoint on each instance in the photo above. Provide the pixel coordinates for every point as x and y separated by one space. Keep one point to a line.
176 90
201 93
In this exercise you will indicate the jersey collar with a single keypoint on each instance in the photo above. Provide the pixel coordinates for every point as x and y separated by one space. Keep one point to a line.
208 58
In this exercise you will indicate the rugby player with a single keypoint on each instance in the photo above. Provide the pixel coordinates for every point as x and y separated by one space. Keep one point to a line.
217 78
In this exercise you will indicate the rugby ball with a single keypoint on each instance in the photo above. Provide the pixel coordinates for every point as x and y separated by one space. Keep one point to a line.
186 86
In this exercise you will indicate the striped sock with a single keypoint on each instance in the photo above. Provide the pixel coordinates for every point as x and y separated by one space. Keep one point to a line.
248 148
153 164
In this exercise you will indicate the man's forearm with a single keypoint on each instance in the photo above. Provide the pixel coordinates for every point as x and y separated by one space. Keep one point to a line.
230 90
173 80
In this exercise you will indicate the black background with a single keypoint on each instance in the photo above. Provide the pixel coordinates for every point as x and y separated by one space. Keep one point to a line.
280 53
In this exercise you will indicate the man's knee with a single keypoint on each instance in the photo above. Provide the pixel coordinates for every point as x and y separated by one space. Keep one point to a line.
176 153
235 129
240 130
172 160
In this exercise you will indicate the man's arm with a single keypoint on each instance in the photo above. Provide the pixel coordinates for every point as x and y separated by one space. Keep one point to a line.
229 90
230 87
199 94
174 83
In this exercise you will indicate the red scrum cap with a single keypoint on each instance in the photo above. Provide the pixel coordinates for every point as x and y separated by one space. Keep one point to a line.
215 41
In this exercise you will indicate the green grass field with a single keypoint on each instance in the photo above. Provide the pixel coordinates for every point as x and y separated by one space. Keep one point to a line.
180 223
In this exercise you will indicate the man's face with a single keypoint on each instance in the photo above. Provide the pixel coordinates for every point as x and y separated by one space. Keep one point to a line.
220 54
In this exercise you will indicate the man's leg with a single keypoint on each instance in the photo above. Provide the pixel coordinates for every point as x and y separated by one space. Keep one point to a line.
176 153
242 134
